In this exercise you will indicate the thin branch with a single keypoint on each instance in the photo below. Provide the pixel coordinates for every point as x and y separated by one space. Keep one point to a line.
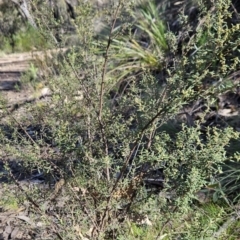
33 142
230 221
125 165
104 68
85 210
22 128
31 200
16 106
24 10
99 120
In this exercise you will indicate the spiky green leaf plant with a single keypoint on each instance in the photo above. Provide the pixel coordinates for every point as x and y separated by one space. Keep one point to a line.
146 48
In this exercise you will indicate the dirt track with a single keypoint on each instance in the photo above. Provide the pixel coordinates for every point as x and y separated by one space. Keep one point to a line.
13 65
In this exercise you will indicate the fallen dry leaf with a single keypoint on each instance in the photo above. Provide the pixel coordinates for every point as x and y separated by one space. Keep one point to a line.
26 219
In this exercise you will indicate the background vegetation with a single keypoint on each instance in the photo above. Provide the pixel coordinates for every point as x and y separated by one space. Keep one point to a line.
133 140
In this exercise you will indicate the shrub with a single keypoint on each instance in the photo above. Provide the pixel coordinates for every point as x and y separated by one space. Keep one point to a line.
121 149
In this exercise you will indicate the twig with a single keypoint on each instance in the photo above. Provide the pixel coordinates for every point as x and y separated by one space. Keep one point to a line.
235 10
31 200
23 8
99 120
16 106
84 209
104 68
101 225
225 226
34 142
125 165
158 114
165 224
22 128
200 24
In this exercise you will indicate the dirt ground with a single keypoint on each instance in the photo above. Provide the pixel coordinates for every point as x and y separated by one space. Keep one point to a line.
16 222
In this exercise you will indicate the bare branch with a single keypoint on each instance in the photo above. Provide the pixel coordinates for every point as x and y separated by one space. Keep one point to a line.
24 10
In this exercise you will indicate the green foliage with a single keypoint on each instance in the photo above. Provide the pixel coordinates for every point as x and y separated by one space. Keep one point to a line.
112 126
230 182
9 200
16 35
148 53
22 41
29 40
